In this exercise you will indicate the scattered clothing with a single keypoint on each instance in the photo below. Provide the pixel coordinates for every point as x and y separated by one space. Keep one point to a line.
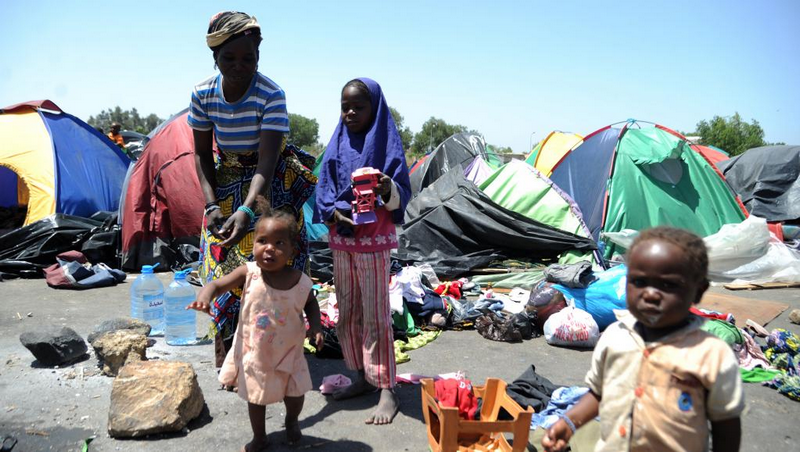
724 330
531 390
561 401
578 275
331 383
73 271
497 328
788 385
458 394
450 288
431 303
401 347
415 379
758 375
709 314
750 354
782 347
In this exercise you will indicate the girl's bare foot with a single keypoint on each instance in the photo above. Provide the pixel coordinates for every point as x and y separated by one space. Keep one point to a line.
386 410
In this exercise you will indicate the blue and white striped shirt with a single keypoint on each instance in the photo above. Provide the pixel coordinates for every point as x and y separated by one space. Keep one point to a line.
237 126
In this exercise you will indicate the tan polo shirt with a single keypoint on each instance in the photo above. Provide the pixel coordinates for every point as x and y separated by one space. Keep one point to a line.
660 395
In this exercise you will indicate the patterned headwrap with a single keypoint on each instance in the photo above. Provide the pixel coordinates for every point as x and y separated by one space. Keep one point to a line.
226 24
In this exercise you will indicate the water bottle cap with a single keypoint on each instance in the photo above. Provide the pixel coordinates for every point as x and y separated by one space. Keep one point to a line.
181 275
148 269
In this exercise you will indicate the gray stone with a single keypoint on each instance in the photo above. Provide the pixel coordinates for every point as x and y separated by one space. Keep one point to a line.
115 349
794 316
153 397
54 345
120 323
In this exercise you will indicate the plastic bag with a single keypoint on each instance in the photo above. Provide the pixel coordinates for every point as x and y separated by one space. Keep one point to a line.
571 327
602 297
736 245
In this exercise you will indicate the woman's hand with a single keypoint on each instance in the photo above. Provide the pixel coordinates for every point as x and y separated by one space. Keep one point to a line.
234 229
214 221
202 306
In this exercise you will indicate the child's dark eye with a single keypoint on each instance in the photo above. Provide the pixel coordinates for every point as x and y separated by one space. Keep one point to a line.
638 282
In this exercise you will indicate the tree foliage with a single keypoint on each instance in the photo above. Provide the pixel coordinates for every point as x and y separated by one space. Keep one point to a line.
304 132
501 149
127 119
731 134
406 135
434 132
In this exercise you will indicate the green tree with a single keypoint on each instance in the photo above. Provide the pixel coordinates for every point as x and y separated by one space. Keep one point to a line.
731 134
406 135
500 149
304 132
128 119
434 132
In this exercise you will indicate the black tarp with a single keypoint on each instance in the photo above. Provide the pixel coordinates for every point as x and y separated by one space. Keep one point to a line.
453 226
766 179
28 250
458 150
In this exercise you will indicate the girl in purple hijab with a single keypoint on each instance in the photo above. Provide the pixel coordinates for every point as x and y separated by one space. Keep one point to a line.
365 137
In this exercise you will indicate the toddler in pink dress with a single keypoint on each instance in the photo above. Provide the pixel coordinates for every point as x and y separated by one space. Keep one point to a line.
266 361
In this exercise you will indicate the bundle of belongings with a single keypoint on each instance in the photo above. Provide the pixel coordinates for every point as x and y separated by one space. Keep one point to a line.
73 271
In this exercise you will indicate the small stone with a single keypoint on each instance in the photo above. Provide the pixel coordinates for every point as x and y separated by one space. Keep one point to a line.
120 323
54 345
117 348
794 316
150 397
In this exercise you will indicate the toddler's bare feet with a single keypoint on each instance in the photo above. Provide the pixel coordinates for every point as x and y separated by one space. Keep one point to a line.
293 433
256 445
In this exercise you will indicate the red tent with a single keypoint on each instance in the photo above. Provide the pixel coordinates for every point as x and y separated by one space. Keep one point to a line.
163 203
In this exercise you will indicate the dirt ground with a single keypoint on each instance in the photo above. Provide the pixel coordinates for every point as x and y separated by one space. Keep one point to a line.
57 409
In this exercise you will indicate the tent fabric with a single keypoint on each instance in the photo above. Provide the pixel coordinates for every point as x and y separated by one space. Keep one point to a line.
546 155
521 188
164 203
457 151
478 171
583 174
57 163
766 178
637 177
455 227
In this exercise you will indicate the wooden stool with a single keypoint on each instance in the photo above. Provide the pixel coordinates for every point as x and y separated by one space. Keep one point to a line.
447 432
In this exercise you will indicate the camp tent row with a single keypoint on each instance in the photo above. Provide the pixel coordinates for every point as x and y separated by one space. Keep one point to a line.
630 175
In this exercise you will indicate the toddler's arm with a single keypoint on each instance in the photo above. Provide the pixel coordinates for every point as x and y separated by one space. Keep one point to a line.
557 437
218 287
314 322
726 435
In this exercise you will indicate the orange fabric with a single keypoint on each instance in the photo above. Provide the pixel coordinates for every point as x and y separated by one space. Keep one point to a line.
117 139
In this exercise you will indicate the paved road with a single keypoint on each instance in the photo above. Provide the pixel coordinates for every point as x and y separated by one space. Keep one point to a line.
53 409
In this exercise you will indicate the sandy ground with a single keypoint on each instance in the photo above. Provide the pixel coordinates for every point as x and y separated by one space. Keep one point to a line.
57 409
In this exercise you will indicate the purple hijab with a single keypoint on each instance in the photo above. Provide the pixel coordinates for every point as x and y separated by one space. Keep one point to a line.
379 147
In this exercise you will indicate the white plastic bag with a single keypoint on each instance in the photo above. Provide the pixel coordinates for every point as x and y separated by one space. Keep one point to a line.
735 245
571 327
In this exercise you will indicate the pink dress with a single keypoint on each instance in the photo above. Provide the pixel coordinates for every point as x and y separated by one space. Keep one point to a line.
266 361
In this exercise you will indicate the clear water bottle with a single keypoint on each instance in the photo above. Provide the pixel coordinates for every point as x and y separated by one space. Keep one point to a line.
181 323
147 300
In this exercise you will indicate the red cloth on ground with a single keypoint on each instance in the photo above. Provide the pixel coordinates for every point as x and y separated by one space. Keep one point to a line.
457 393
710 315
451 288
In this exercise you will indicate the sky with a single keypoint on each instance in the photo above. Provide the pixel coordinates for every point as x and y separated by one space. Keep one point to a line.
512 70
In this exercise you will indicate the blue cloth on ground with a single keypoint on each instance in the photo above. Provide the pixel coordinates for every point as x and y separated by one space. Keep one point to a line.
602 297
561 401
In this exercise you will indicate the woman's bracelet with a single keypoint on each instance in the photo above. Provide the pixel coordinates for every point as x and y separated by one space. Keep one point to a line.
248 211
212 203
210 208
569 422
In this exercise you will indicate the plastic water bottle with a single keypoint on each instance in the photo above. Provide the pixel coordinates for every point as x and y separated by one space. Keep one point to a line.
147 300
181 323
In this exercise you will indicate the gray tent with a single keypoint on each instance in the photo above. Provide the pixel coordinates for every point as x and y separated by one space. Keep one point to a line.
766 179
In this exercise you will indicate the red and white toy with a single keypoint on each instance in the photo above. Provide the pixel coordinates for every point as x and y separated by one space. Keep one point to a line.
364 181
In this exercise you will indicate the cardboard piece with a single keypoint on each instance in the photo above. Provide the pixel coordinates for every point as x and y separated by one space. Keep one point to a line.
760 311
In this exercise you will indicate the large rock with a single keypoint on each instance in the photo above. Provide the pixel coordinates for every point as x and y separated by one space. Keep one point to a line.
120 323
117 348
794 316
153 397
54 345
